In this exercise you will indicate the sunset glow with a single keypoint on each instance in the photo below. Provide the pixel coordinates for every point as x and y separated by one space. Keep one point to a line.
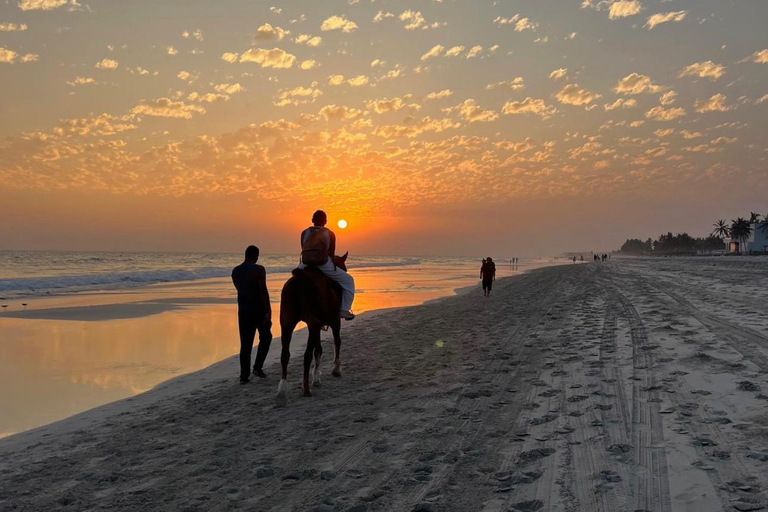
489 122
342 224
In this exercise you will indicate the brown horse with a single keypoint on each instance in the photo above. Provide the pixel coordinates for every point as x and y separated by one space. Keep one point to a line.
312 298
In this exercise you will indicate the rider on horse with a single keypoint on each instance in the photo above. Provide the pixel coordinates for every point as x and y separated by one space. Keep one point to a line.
318 249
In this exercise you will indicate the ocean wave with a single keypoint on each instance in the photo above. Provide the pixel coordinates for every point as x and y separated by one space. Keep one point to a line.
65 284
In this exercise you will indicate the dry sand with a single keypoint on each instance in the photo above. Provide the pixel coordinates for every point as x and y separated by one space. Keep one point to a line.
626 386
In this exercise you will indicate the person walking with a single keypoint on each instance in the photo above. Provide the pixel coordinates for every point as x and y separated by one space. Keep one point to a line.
254 313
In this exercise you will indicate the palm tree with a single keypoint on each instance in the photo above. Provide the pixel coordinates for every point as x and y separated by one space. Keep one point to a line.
721 229
764 224
741 229
754 217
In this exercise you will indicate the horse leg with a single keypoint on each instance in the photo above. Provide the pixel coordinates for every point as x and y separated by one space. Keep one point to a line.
336 328
316 371
285 356
314 339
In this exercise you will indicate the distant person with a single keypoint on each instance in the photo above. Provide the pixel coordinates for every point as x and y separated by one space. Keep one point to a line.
318 248
254 312
574 259
488 275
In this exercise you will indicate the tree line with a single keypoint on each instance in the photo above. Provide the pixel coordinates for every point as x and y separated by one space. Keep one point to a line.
739 230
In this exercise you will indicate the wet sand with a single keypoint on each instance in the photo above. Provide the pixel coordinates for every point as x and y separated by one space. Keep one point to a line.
632 385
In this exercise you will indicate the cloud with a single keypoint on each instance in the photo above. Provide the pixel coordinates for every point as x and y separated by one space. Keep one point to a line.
229 88
455 51
714 104
45 5
706 69
358 81
636 84
164 107
386 105
471 112
620 103
81 80
197 34
107 64
572 94
760 57
761 100
624 8
7 56
664 132
413 19
185 75
434 52
529 106
558 74
668 98
298 95
12 27
515 85
474 51
415 128
336 79
267 32
338 23
230 57
662 114
274 58
658 19
313 41
445 93
172 51
308 64
340 113
521 24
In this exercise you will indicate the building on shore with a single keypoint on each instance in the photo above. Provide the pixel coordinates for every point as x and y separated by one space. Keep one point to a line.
757 241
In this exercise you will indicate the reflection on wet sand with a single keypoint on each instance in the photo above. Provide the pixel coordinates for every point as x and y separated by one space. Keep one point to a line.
64 355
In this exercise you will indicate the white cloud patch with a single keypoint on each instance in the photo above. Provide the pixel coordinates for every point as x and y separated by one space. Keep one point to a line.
471 112
358 81
706 69
338 23
454 52
164 107
658 19
107 64
514 85
529 106
445 93
267 32
81 80
620 103
298 95
340 113
558 74
573 94
636 84
434 52
760 57
624 8
313 41
662 114
521 24
274 58
13 27
714 104
46 5
668 98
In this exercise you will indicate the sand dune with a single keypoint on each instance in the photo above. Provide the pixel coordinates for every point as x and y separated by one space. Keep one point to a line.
633 385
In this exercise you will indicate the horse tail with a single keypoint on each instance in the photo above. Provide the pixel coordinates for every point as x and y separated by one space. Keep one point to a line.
307 297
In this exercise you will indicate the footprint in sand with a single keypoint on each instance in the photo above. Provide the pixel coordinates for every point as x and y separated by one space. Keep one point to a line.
528 506
534 455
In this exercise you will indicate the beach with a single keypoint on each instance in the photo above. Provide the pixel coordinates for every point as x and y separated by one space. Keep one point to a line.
623 386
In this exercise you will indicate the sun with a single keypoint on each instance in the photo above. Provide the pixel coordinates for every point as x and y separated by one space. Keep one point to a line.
342 224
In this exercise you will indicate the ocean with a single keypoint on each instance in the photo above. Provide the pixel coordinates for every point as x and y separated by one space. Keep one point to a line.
82 329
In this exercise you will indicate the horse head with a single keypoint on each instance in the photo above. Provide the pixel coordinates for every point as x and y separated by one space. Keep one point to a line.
341 261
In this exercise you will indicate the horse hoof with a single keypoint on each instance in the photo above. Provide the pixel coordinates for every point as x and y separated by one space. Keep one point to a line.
336 373
281 400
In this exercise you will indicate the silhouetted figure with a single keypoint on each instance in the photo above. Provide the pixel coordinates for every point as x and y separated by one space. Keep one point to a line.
488 275
318 249
254 312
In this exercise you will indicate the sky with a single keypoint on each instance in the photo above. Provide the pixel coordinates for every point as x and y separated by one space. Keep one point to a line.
434 127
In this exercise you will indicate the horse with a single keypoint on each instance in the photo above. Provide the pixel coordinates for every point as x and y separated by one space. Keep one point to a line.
310 297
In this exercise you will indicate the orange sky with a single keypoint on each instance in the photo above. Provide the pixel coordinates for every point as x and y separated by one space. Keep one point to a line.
434 127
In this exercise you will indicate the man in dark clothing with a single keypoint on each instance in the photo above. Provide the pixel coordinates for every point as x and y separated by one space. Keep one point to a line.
488 275
254 312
